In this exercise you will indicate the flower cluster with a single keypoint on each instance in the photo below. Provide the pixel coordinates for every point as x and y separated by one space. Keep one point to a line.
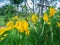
21 25
47 17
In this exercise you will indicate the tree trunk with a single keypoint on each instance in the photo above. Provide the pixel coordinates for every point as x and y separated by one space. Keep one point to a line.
41 7
33 6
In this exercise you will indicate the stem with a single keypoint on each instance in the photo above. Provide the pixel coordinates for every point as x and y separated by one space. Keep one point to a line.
51 35
42 30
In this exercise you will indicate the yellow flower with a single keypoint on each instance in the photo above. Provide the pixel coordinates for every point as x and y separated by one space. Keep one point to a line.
34 18
58 24
17 24
2 30
21 29
10 25
15 18
52 11
45 17
25 25
9 28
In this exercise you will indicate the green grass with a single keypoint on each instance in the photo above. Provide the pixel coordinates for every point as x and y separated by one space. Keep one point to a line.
2 23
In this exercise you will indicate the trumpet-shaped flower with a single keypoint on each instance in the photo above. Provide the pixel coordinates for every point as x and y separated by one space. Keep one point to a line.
34 18
45 18
25 26
52 12
2 30
10 25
